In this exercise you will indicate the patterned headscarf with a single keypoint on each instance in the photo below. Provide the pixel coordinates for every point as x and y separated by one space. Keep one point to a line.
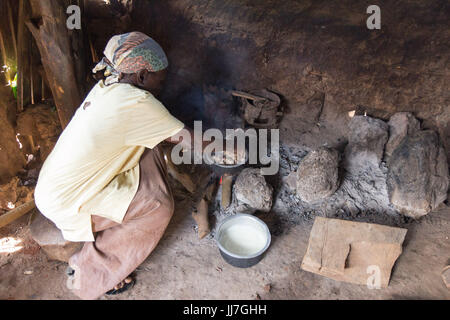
131 53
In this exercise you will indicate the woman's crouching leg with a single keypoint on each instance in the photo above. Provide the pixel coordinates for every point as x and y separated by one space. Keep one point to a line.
119 250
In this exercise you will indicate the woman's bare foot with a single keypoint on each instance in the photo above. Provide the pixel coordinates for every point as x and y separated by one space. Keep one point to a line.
124 285
121 284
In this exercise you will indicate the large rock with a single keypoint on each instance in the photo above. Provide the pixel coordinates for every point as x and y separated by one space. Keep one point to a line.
366 141
418 174
253 191
50 239
400 124
317 175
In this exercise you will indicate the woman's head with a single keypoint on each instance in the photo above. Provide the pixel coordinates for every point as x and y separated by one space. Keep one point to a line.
150 81
134 58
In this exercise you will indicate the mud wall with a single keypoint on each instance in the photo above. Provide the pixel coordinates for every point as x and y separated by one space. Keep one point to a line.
302 49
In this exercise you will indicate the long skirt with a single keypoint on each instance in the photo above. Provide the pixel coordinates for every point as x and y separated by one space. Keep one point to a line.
119 249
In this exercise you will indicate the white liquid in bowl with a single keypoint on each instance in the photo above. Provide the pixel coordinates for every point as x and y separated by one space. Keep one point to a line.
243 239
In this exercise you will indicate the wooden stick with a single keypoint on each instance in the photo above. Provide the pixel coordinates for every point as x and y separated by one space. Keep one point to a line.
93 53
247 95
13 30
317 74
31 141
42 88
16 213
21 94
3 51
226 190
31 77
183 178
200 216
20 49
210 190
2 47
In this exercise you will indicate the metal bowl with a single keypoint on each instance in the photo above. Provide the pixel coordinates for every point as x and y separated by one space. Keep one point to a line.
239 163
241 251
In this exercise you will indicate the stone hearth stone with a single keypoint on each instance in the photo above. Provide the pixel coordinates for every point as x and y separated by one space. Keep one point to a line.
252 190
50 239
355 252
417 178
366 140
291 180
317 175
400 124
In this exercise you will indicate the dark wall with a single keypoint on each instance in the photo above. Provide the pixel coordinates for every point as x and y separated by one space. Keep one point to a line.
303 49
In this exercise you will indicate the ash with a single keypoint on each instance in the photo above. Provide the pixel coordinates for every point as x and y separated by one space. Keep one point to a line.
362 195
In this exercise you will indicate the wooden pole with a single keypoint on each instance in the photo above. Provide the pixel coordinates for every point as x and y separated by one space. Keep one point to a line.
31 73
227 180
12 28
33 146
21 55
3 52
16 213
200 215
53 41
42 88
93 53
20 30
31 83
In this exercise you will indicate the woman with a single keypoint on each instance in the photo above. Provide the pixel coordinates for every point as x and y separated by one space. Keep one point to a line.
105 181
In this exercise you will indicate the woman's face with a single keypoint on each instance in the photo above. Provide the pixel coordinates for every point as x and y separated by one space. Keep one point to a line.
152 81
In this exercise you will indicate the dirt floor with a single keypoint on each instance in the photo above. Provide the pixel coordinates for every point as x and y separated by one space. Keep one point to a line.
304 50
183 267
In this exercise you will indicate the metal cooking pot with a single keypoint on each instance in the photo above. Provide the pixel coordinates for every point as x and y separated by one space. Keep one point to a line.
233 256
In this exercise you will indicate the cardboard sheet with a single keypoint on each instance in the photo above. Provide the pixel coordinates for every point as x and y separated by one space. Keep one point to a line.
353 252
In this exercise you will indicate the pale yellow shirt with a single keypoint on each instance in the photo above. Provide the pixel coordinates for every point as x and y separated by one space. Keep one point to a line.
94 166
